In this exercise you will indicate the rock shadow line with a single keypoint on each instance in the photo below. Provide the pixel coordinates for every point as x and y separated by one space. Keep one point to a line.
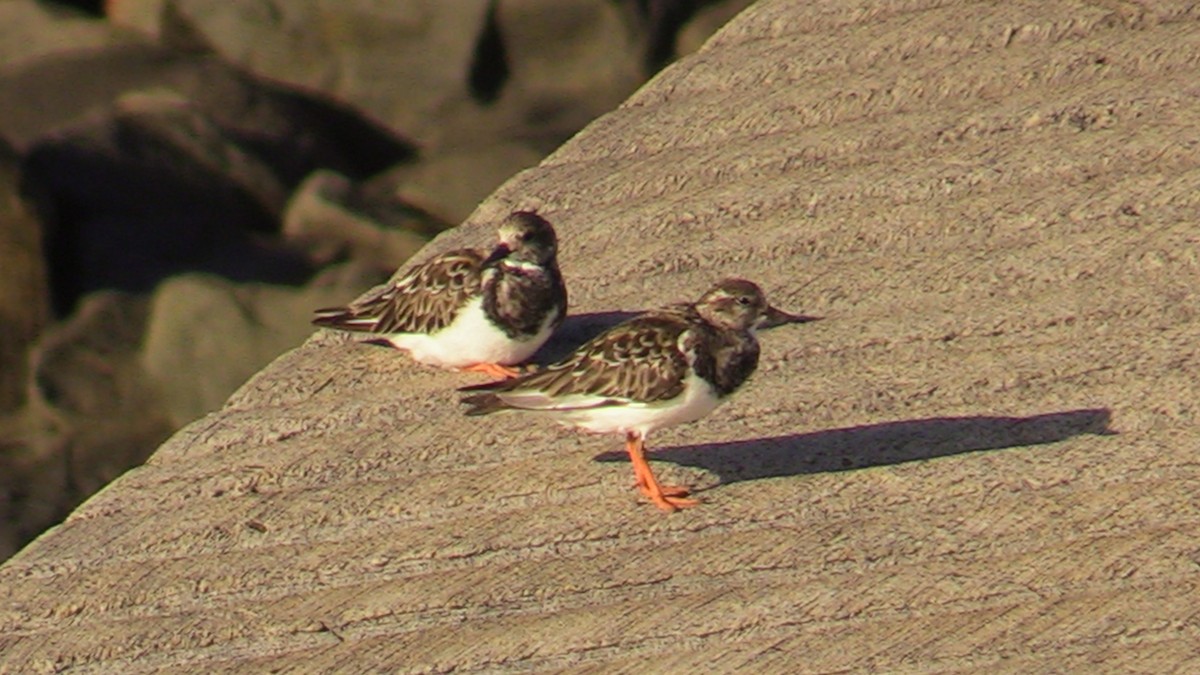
877 444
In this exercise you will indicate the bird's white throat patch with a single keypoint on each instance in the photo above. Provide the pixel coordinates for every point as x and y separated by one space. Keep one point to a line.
522 265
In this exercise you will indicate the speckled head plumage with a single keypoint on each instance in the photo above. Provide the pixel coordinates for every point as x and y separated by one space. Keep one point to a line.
525 238
738 304
734 304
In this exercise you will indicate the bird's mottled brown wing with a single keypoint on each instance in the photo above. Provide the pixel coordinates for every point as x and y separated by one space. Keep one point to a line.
424 300
641 360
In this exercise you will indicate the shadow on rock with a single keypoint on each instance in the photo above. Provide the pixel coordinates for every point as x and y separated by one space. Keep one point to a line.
878 444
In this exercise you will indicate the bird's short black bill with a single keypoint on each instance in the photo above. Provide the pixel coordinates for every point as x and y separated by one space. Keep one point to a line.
499 253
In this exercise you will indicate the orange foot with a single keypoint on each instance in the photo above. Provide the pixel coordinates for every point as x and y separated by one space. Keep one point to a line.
670 503
666 497
667 490
494 369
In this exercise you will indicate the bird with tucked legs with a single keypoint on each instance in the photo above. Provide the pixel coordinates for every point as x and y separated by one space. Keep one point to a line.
469 309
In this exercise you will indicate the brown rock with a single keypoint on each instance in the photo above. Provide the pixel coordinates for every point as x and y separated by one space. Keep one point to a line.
93 416
24 296
206 336
166 178
31 30
400 62
293 130
569 61
157 190
705 22
323 219
449 184
142 15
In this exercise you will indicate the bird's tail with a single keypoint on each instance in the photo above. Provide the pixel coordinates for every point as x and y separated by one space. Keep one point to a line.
343 318
483 404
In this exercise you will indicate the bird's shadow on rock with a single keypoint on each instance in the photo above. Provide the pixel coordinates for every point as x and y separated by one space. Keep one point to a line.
576 330
877 444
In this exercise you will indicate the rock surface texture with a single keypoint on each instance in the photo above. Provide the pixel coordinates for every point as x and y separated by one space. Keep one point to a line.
983 459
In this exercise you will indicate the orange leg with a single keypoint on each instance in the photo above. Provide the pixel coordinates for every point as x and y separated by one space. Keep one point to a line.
494 369
665 497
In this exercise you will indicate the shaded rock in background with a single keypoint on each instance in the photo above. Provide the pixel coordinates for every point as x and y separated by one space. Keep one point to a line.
94 415
152 193
443 73
206 336
321 219
33 476
85 366
24 296
174 176
700 26
177 133
401 62
448 186
295 131
144 16
569 61
31 29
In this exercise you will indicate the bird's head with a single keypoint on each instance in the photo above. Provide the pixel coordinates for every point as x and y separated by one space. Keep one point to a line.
739 304
525 238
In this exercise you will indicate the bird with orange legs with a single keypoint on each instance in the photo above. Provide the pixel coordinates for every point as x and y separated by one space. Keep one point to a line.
659 369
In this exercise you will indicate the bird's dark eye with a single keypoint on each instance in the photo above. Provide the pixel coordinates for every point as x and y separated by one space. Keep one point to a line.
743 301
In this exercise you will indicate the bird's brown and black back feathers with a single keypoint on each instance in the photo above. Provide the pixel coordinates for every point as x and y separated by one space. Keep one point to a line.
424 300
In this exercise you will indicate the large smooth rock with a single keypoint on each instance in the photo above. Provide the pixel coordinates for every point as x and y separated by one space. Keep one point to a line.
984 458
31 30
400 62
448 186
330 218
206 336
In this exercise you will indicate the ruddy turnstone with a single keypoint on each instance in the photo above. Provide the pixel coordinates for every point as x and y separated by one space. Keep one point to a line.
662 368
467 309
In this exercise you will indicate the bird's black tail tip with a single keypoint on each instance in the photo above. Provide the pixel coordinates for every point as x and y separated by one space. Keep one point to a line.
482 404
328 316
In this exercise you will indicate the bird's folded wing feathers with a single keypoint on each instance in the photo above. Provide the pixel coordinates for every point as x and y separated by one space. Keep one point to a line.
639 361
424 300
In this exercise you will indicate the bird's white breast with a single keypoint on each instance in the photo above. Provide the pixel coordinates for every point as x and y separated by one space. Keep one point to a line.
697 400
471 339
